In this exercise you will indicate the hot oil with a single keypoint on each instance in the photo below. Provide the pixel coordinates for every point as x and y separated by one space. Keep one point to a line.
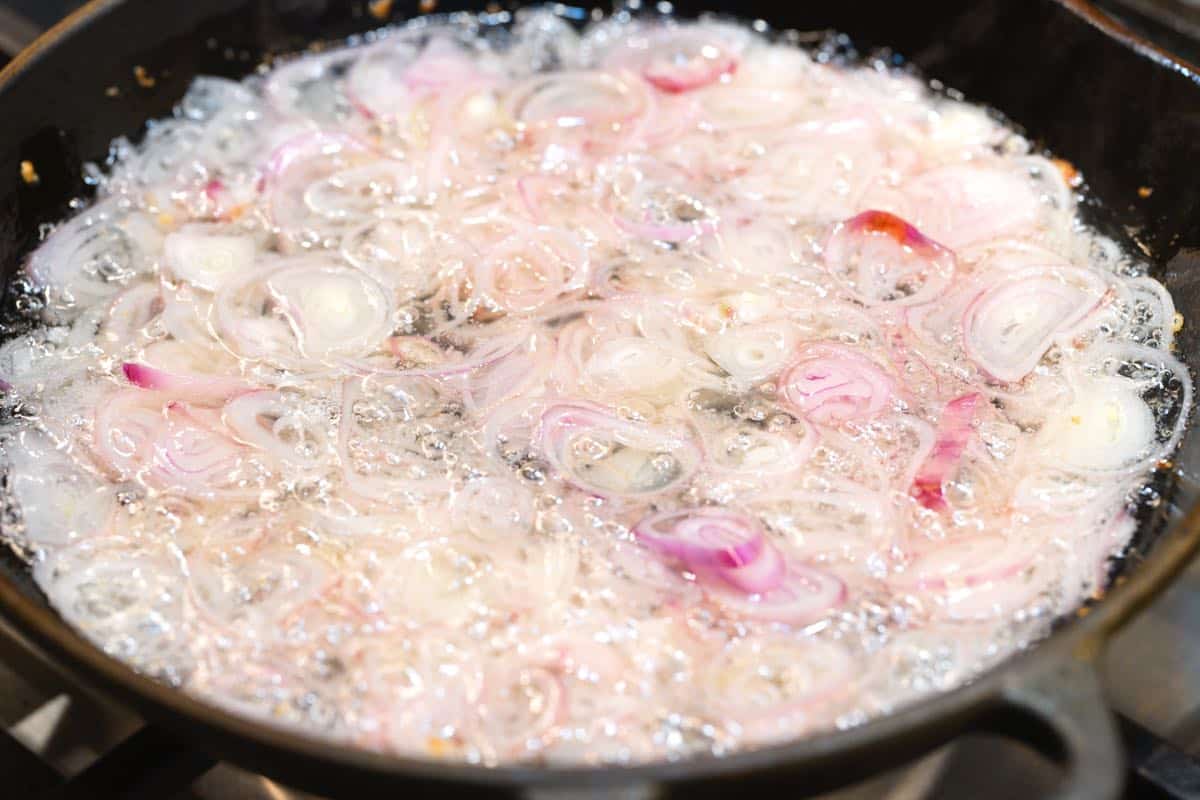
393 550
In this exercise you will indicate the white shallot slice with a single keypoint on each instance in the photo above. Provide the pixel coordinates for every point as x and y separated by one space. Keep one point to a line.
960 205
59 501
332 310
194 372
281 426
529 269
681 58
831 384
95 255
803 596
586 99
773 686
494 510
1106 427
754 352
1008 329
608 456
206 256
883 260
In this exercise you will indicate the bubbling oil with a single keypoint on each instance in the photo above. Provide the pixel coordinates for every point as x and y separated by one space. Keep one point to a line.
350 403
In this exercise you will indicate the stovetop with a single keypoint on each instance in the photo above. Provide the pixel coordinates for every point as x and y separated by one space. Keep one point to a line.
1152 670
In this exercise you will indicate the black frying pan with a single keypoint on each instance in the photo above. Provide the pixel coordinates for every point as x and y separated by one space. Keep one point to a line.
1125 113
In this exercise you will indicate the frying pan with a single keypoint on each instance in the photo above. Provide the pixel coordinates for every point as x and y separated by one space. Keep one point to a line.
1127 114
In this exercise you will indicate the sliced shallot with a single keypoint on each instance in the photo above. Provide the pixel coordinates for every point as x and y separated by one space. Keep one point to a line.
601 453
881 259
704 538
803 596
954 431
832 384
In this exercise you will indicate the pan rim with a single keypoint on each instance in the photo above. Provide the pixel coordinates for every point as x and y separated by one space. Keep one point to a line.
939 717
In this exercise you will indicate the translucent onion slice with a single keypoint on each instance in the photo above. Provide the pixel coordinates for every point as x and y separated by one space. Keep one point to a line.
803 596
332 310
737 108
955 428
124 321
681 58
974 577
608 456
280 426
960 205
548 574
430 582
377 85
256 591
1151 313
358 191
59 502
394 437
831 384
442 65
322 185
775 67
704 538
828 520
761 454
193 454
881 259
336 148
759 576
634 365
205 257
822 170
768 685
494 510
168 444
1009 328
553 201
449 689
519 370
567 100
393 78
187 315
965 561
124 428
759 247
93 256
1106 427
655 201
313 86
403 252
109 587
193 372
754 352
528 270
521 706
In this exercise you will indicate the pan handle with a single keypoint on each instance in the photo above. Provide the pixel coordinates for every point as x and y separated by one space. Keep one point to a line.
1060 710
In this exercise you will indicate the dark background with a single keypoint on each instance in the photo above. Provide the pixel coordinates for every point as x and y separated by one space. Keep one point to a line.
1175 23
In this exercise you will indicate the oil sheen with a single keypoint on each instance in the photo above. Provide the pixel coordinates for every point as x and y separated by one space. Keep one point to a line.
498 390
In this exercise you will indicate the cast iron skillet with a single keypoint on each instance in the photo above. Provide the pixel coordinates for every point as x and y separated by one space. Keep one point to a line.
1125 113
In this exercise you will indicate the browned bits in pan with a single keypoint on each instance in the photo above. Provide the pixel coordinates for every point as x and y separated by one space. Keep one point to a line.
380 9
1069 172
29 173
144 78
